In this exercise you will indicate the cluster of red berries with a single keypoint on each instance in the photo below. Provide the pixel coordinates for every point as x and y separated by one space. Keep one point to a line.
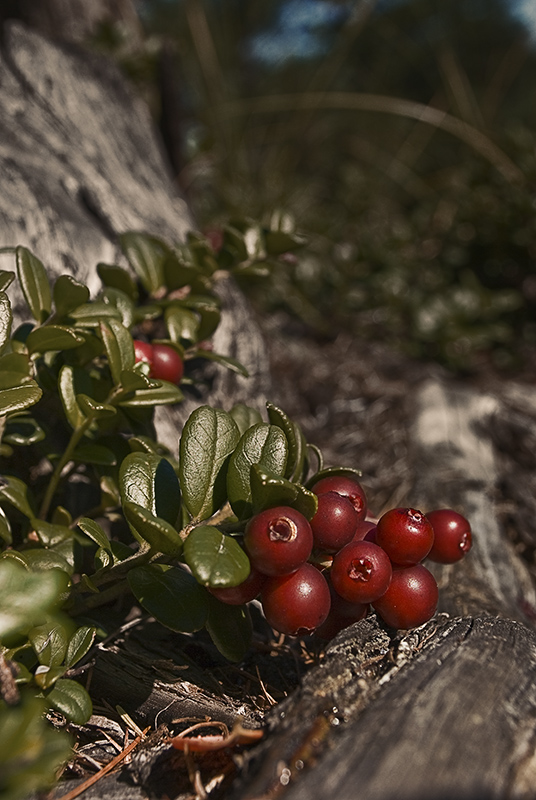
165 363
370 563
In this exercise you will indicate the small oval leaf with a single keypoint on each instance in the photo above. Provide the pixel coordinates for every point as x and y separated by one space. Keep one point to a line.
5 319
71 699
19 398
145 254
49 642
215 559
148 480
230 629
69 294
261 444
245 416
79 644
171 595
53 337
119 347
34 283
156 531
94 531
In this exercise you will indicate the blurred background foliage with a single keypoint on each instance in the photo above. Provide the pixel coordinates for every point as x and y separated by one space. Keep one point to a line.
399 135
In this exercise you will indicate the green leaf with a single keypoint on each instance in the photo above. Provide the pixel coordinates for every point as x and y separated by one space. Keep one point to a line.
296 451
165 393
132 380
19 398
171 595
144 444
328 472
73 381
94 454
245 416
49 642
208 310
71 700
215 559
225 361
17 493
49 533
209 437
79 644
261 444
10 379
69 294
26 597
46 676
5 319
6 279
15 362
53 337
122 302
182 324
23 431
230 629
5 528
41 560
146 255
34 283
278 242
156 531
90 315
269 490
94 531
150 482
119 348
91 408
118 278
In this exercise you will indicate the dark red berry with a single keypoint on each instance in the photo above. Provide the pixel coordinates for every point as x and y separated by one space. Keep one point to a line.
347 488
365 530
411 598
361 572
452 536
341 614
405 534
334 523
278 540
167 364
296 604
243 593
143 351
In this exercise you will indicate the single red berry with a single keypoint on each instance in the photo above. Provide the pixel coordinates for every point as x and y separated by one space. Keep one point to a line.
341 614
296 604
143 351
243 593
365 530
347 488
406 535
411 598
452 536
361 572
278 540
334 523
167 364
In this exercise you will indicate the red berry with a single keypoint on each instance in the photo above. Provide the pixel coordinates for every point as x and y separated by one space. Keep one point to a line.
405 534
278 540
167 364
341 615
365 530
296 604
347 488
452 536
411 598
244 592
334 523
143 351
361 572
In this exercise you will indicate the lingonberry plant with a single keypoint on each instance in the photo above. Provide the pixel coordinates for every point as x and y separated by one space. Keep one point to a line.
241 513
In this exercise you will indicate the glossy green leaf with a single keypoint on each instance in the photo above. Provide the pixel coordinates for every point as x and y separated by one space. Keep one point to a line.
150 482
145 254
5 528
269 490
5 319
19 398
15 362
10 379
119 347
179 271
90 315
91 408
79 644
42 559
171 595
73 381
6 279
94 454
49 642
261 444
209 436
50 534
34 283
230 629
295 450
94 531
69 294
23 431
164 394
156 531
26 597
245 416
16 493
133 379
278 242
225 361
215 559
144 444
122 302
71 699
182 324
45 676
60 516
53 337
208 310
328 472
118 278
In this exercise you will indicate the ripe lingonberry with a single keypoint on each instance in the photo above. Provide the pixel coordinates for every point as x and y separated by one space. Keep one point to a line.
347 488
405 534
361 572
143 351
334 523
411 598
167 365
278 540
243 593
341 614
365 530
452 536
296 604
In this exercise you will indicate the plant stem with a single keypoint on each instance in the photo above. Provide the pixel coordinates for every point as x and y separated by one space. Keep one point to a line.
66 457
80 606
